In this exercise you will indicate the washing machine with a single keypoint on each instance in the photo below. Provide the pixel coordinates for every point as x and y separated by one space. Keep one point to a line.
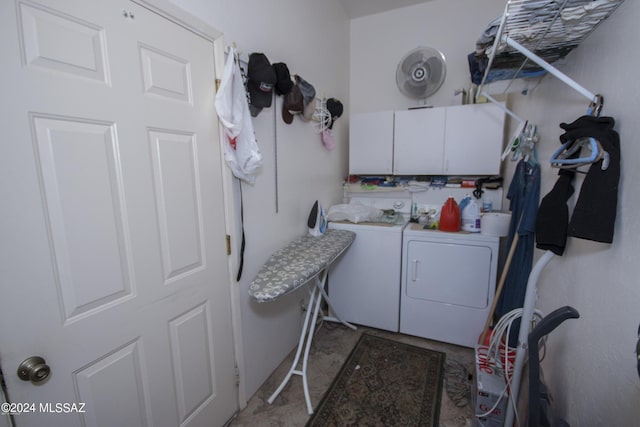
448 284
364 283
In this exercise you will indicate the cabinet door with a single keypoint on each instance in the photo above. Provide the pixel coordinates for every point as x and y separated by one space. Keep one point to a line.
419 141
474 136
371 143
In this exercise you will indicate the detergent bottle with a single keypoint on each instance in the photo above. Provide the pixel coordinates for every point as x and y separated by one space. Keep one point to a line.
471 217
463 203
450 216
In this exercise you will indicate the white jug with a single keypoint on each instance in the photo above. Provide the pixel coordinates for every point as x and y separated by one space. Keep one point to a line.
470 217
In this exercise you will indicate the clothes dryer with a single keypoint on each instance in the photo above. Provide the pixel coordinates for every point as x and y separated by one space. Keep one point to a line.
448 284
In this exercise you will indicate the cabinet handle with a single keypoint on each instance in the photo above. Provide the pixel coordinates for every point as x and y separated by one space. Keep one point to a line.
414 273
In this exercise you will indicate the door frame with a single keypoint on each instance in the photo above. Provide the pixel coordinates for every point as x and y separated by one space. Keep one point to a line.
190 22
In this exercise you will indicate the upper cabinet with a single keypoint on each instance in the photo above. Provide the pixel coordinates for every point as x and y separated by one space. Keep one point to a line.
371 143
419 140
474 135
457 140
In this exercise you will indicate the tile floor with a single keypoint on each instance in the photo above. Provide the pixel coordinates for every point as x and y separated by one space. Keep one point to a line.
331 346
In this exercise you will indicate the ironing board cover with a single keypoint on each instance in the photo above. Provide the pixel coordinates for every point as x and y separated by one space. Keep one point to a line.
293 266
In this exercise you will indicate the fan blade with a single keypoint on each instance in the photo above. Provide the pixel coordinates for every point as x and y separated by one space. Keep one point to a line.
416 91
410 61
435 67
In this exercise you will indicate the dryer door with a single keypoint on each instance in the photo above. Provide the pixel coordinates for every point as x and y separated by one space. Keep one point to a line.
457 274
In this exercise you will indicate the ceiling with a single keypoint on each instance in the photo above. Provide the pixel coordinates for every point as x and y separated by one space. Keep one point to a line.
358 8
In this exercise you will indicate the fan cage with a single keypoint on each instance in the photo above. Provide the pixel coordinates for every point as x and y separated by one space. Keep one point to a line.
421 72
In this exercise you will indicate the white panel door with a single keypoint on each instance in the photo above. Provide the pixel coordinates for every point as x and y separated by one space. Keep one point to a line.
419 142
112 236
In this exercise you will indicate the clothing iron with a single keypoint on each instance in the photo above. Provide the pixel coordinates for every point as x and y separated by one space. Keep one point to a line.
317 222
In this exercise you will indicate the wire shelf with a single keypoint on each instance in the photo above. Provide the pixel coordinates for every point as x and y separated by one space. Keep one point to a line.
550 29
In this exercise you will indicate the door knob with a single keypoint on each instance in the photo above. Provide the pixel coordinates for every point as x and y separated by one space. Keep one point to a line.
34 369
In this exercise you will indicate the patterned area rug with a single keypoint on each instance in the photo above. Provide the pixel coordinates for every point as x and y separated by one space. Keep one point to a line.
384 383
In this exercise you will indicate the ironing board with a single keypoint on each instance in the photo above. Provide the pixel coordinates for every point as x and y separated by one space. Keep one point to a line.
304 260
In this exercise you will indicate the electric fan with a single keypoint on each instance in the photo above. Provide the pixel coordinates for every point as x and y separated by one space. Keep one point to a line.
421 72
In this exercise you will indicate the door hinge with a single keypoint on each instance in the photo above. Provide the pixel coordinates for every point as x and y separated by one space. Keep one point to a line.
228 242
237 373
218 81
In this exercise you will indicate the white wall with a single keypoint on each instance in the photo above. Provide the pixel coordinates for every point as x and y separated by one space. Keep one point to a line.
311 37
590 363
379 42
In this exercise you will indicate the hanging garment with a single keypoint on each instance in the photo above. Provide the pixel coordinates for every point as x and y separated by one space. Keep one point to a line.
523 193
552 221
594 215
241 150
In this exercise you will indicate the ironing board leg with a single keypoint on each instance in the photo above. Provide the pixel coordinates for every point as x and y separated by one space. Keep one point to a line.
320 282
305 359
336 318
308 329
317 298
